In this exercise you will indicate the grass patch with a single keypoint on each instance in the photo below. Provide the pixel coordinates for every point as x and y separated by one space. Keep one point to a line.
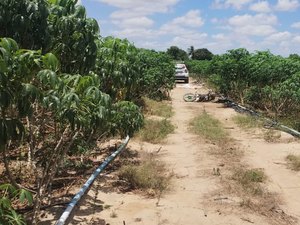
247 122
293 162
209 128
155 131
249 180
150 176
272 135
156 108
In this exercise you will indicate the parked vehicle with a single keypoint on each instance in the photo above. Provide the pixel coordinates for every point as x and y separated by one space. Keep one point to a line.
181 72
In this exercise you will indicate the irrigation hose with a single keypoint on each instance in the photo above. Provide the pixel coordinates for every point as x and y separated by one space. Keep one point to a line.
284 128
62 220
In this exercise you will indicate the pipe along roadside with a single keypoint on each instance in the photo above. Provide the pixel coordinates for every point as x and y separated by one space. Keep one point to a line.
62 220
243 109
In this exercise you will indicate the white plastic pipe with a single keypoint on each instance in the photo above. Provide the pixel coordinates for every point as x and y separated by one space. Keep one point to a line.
62 220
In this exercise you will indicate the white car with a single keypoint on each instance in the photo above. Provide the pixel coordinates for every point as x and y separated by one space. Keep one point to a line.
181 73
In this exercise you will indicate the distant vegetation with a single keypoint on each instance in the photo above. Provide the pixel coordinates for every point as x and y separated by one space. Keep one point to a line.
261 80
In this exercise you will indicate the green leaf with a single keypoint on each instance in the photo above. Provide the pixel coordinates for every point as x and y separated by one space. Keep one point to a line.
51 62
25 195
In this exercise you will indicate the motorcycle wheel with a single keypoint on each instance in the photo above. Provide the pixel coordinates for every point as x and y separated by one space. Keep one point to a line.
189 97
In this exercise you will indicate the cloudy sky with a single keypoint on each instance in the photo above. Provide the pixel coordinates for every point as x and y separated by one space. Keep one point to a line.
218 25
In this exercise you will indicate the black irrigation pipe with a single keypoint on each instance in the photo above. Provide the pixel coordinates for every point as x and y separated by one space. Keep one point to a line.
64 217
242 109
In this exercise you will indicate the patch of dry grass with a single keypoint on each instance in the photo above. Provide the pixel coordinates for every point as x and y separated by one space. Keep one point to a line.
158 108
209 128
247 122
150 176
249 180
293 162
271 135
155 131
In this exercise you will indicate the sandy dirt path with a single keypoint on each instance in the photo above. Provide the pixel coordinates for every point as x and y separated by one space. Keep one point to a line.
191 199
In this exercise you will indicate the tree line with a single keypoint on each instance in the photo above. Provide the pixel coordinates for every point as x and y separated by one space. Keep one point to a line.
261 80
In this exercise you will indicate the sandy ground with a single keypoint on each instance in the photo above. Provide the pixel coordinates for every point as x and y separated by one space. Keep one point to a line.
194 189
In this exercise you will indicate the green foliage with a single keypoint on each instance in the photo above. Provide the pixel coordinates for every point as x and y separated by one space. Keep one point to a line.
202 54
16 94
260 79
177 53
127 73
10 195
231 73
26 22
118 68
127 118
73 36
157 74
199 69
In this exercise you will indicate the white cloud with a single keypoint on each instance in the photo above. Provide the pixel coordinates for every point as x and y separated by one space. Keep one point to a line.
262 7
287 5
195 39
297 39
296 25
134 22
184 24
278 37
237 4
79 2
257 25
138 33
142 7
191 19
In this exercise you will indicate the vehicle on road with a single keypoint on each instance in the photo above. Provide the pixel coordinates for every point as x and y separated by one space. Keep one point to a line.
181 72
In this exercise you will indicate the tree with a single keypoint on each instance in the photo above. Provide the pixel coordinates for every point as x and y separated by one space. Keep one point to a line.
202 54
177 53
232 73
26 22
73 36
157 74
191 52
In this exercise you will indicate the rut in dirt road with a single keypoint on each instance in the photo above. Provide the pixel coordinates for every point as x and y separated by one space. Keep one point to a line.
197 194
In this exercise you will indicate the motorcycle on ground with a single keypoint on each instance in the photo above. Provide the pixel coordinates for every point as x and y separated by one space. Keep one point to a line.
195 97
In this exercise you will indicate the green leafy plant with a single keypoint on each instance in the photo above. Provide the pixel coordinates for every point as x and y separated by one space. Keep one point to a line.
11 196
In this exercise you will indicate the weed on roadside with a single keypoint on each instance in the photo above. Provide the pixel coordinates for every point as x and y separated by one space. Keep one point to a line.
293 162
150 176
249 180
113 214
247 122
209 128
271 135
155 131
156 108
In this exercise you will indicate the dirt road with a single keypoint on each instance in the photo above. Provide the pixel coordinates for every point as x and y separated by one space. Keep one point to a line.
197 196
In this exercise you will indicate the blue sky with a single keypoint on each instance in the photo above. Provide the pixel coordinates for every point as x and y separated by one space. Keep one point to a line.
218 25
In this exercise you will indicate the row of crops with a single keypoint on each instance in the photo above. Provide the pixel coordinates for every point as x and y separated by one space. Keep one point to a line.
261 80
62 84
